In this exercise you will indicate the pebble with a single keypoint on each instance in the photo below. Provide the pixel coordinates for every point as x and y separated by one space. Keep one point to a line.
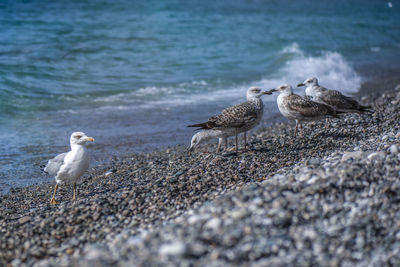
394 150
24 219
375 156
353 155
213 224
172 249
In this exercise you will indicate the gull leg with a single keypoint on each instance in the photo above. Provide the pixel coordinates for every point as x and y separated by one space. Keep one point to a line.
326 123
301 128
53 199
236 146
295 129
74 195
226 142
219 144
245 141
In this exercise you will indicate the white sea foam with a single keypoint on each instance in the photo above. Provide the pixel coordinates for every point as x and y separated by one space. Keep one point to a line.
331 68
375 49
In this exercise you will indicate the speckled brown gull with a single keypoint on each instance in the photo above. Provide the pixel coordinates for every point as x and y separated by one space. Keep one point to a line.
332 98
238 118
299 108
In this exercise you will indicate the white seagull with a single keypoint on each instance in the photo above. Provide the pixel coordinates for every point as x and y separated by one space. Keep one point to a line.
70 166
332 98
299 108
239 118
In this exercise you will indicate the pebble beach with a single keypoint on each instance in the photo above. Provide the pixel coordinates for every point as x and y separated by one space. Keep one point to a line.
328 197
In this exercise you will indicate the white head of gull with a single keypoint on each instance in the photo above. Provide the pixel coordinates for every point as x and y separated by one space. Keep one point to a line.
205 135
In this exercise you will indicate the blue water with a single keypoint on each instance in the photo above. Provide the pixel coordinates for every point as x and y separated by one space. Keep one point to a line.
133 74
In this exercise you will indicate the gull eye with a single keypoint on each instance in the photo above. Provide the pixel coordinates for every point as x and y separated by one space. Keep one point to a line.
77 136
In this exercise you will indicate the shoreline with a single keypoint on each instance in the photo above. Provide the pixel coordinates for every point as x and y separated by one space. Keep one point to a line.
146 191
103 156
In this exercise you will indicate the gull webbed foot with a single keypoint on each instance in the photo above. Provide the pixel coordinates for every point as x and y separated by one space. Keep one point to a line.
53 201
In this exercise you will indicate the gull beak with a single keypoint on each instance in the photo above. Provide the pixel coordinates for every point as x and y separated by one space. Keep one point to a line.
301 84
91 139
269 92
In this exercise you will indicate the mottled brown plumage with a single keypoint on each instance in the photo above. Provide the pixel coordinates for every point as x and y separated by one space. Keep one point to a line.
308 109
341 102
301 108
238 118
333 98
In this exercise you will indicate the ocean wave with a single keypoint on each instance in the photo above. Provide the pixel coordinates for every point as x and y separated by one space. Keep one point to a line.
154 92
331 68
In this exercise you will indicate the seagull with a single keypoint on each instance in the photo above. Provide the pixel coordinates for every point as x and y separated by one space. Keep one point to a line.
70 166
332 98
239 118
300 108
207 134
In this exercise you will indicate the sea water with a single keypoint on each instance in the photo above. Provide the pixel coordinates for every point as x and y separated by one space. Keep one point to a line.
133 74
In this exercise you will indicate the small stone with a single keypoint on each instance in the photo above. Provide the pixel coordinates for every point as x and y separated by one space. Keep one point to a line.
176 248
393 149
95 252
108 173
179 173
213 224
352 155
376 156
24 219
96 216
239 214
16 262
313 161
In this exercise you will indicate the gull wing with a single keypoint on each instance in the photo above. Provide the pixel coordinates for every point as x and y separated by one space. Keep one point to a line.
236 116
233 117
338 100
309 108
54 165
210 124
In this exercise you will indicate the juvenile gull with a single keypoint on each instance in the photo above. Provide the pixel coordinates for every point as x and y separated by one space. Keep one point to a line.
299 108
238 118
332 98
207 134
69 166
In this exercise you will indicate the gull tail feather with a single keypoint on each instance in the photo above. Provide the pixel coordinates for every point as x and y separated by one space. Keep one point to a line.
367 109
200 126
336 113
43 168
